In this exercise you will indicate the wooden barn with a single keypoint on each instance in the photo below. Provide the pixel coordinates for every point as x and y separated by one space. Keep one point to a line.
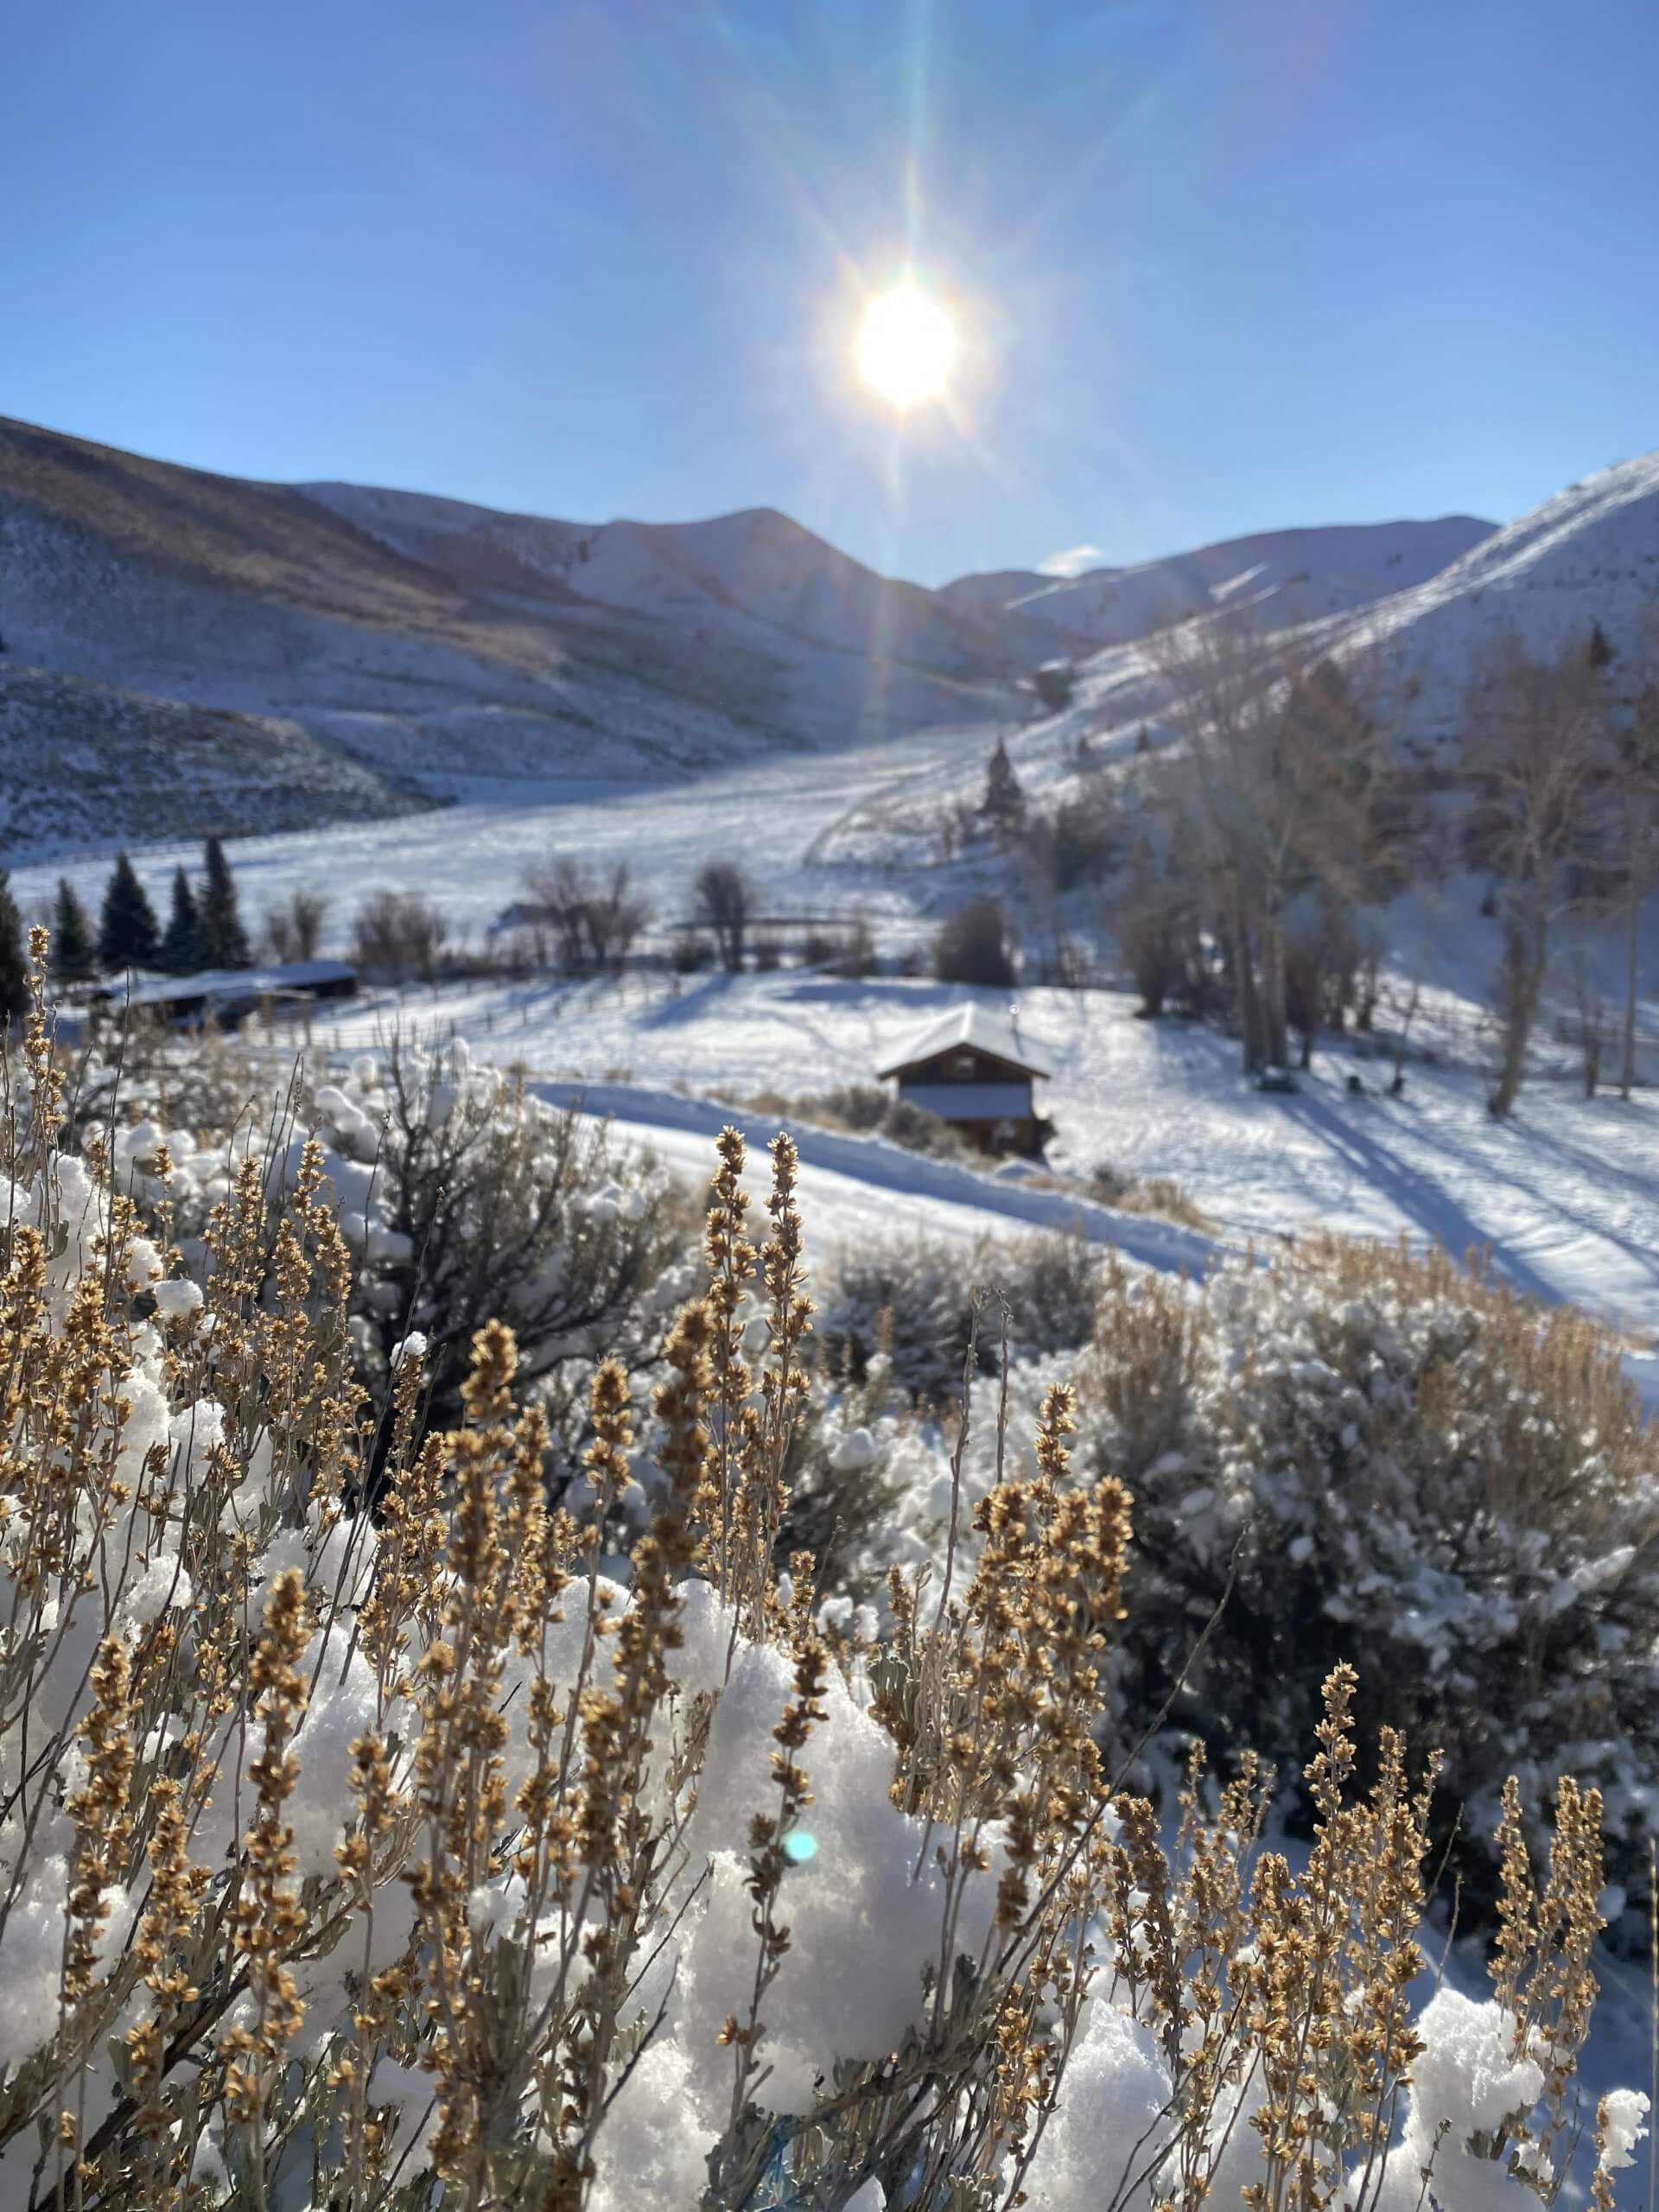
970 1069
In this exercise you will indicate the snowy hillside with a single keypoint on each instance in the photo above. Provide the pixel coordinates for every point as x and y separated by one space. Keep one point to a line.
1293 576
83 765
177 585
746 577
791 811
1589 555
417 646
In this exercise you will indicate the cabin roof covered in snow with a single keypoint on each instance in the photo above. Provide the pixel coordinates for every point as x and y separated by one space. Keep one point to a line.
971 1026
231 982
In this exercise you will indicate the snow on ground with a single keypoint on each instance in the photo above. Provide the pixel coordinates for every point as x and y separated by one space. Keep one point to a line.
1566 1195
862 1189
778 818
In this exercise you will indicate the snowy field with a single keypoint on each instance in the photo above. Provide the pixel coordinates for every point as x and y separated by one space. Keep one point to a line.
1565 1196
780 819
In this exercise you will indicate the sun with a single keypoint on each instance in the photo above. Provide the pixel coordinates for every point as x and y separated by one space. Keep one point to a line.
906 346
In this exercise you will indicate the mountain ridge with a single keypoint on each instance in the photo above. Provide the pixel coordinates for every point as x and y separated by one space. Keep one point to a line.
180 586
1306 573
409 645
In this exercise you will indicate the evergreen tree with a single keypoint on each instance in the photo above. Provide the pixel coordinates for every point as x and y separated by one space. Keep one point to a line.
128 935
1004 804
74 955
975 945
1599 651
221 941
181 953
14 967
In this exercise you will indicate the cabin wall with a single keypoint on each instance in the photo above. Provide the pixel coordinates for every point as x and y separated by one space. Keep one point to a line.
971 1102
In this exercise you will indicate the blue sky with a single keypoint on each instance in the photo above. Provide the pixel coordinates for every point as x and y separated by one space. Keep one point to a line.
1220 265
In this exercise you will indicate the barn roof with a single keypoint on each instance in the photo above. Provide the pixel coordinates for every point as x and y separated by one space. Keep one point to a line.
970 1025
231 982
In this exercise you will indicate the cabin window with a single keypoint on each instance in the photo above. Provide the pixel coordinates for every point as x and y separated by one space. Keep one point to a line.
961 1066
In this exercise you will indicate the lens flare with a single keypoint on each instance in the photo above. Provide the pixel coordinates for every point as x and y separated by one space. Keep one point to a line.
799 1845
906 346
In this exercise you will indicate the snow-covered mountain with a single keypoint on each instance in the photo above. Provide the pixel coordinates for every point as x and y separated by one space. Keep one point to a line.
1589 555
1291 576
439 647
406 648
748 577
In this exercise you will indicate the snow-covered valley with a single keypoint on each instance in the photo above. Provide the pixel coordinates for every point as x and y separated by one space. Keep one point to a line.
1161 1149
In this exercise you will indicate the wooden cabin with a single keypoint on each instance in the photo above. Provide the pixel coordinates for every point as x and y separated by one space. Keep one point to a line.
971 1069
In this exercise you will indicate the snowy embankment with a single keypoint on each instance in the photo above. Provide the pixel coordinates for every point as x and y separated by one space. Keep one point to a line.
849 1181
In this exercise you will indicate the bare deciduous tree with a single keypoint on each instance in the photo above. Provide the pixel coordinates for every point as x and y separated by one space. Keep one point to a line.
724 904
559 892
595 915
616 917
1591 1012
1535 733
294 926
1284 770
310 910
396 935
1153 917
1636 780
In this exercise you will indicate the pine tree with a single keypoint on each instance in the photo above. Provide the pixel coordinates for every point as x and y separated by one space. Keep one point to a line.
181 953
1004 804
221 941
128 935
74 955
1599 651
14 967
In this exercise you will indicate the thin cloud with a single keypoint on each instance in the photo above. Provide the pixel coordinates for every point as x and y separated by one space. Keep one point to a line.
1072 562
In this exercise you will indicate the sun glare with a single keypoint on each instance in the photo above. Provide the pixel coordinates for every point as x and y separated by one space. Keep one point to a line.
906 346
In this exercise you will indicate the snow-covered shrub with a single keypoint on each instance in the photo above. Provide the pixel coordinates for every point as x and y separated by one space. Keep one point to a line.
462 1198
475 1202
907 1124
1382 1457
844 1481
915 1304
201 1083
